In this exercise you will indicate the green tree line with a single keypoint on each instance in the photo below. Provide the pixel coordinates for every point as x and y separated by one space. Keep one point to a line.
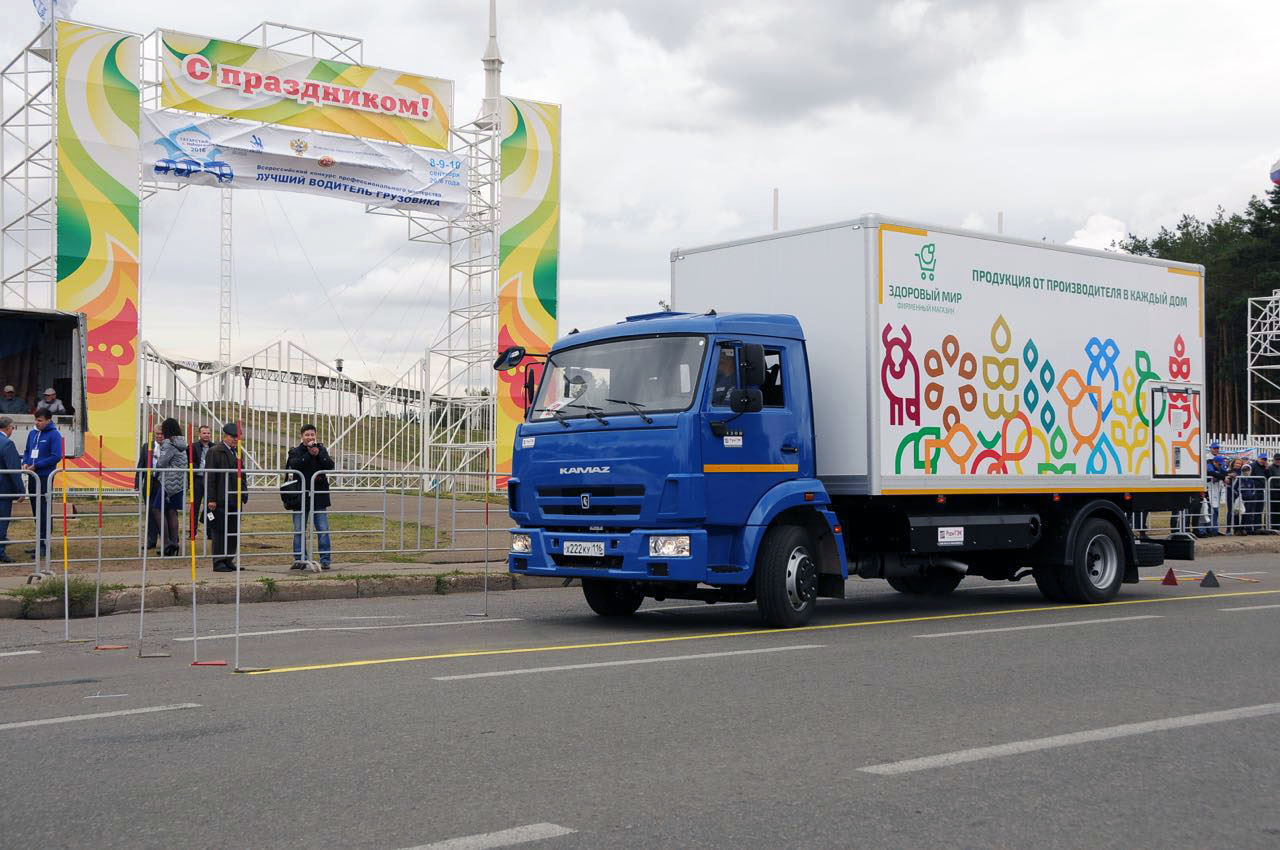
1240 253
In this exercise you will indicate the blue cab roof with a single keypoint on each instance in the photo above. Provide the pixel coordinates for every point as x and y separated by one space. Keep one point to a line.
762 324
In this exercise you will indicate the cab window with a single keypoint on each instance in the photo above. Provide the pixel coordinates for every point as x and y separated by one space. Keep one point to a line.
772 389
726 374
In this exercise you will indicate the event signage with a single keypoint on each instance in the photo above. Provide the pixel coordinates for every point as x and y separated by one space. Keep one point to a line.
237 80
529 253
179 148
97 230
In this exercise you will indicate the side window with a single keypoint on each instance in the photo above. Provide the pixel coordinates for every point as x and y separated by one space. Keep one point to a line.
772 389
726 374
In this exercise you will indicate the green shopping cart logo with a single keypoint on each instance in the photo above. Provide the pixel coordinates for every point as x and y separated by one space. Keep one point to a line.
928 261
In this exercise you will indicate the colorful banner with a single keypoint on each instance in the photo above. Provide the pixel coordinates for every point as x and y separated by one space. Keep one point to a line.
179 148
258 84
528 273
97 228
1003 359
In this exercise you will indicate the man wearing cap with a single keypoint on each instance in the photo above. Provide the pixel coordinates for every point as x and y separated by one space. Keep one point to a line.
225 481
51 404
10 403
1216 475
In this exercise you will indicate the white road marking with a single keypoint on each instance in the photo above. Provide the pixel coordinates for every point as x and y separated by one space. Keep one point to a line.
351 628
1250 608
101 695
1041 626
505 838
100 715
20 652
624 663
1089 736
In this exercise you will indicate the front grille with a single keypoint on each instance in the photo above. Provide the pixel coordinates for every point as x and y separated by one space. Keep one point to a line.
607 562
623 500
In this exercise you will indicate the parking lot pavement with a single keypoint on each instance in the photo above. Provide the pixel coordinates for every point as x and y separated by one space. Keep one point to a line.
986 718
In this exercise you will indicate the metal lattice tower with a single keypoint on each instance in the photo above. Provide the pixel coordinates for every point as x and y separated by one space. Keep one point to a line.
28 175
1264 365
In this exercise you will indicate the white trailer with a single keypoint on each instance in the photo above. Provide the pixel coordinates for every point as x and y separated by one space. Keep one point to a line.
946 361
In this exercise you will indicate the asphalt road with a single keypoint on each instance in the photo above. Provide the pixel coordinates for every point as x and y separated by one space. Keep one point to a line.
989 718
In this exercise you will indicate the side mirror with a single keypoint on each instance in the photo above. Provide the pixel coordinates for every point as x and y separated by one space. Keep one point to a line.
749 400
530 384
509 359
752 364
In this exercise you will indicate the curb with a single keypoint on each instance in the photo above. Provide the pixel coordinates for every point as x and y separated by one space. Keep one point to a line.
296 590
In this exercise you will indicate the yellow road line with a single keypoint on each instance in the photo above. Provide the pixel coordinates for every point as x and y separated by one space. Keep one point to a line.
476 653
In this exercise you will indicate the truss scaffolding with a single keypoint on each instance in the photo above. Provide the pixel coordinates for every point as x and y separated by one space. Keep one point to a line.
1264 365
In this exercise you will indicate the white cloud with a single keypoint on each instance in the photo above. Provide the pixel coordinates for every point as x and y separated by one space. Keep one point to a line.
1099 232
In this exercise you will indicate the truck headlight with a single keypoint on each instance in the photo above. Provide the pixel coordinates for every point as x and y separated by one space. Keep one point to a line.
670 546
521 544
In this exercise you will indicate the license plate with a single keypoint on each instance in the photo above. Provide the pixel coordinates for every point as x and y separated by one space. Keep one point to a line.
584 547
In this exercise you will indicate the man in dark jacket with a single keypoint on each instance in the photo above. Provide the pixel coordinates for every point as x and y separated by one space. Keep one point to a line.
11 488
226 481
43 454
199 449
307 494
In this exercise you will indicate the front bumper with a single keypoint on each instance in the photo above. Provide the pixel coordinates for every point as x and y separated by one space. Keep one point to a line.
626 557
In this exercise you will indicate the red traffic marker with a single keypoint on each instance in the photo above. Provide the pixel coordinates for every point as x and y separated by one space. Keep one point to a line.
1170 578
107 646
1209 580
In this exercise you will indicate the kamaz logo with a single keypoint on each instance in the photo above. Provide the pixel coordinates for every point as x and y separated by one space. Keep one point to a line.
584 470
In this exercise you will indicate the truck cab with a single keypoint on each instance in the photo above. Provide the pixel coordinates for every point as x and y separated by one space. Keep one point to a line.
672 456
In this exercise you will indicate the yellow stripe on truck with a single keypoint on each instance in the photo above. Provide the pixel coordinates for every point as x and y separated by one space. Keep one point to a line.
896 228
750 467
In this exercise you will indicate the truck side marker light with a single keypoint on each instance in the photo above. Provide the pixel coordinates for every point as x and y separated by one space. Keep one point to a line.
808 497
942 500
1128 497
1057 497
836 529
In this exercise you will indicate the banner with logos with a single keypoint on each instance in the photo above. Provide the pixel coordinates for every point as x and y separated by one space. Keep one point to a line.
180 148
97 230
237 80
529 256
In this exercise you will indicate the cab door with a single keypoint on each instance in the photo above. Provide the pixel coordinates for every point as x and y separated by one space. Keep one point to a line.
744 455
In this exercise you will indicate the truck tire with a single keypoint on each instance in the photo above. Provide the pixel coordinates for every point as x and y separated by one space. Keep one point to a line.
1097 567
786 577
932 583
1047 579
611 598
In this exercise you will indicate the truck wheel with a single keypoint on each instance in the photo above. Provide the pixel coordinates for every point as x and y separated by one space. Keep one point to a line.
786 577
1047 578
1098 565
932 583
611 598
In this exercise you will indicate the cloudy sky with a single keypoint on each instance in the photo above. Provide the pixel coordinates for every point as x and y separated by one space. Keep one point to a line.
1079 119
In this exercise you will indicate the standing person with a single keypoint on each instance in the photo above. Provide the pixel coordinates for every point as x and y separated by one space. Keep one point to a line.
1273 491
311 459
1232 485
11 482
1251 496
10 403
223 484
171 466
43 454
51 404
204 442
1216 474
147 461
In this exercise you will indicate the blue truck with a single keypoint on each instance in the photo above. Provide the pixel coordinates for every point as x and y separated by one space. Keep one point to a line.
874 398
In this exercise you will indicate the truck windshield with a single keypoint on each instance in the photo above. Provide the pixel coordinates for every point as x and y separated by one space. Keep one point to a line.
621 377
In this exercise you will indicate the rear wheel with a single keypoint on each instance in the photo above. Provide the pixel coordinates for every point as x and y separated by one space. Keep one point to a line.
933 583
1097 567
611 598
786 577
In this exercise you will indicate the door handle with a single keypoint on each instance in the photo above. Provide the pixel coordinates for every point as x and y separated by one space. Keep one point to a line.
790 449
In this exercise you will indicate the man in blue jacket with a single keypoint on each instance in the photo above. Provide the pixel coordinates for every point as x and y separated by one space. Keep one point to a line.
1216 475
43 454
10 482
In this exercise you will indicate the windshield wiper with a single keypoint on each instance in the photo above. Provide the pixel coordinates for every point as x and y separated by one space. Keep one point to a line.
596 412
560 417
636 406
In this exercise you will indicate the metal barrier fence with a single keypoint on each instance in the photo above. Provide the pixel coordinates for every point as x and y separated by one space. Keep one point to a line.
19 488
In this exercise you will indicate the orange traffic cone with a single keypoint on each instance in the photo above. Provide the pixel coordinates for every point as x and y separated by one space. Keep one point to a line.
1209 580
1170 578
